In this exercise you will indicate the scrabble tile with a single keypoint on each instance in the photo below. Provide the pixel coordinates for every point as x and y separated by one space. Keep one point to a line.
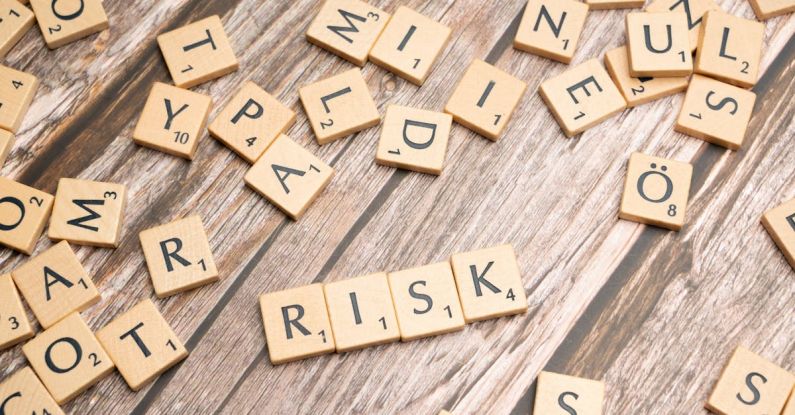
178 256
361 312
658 44
410 44
551 28
251 121
489 283
17 90
88 213
68 358
14 324
582 97
339 106
198 52
656 191
750 384
15 20
172 120
485 99
347 28
694 9
789 409
24 210
765 9
426 301
289 176
614 4
296 324
55 284
637 91
780 224
716 112
6 142
414 139
730 49
561 394
64 25
23 393
141 344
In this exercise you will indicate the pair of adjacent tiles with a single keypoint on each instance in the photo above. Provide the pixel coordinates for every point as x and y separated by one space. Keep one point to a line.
780 224
559 394
382 308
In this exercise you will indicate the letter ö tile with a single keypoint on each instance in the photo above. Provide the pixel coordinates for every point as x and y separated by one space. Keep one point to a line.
414 139
23 213
88 212
347 28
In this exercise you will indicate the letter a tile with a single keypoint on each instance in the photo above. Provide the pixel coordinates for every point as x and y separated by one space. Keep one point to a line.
14 324
17 90
347 28
780 224
730 49
561 394
694 9
414 139
658 44
61 23
88 213
551 28
23 393
656 191
15 21
637 91
23 213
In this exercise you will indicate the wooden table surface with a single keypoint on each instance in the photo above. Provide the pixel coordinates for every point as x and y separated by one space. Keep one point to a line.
653 313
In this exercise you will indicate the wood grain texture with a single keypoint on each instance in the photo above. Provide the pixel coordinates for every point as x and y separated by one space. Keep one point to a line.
653 313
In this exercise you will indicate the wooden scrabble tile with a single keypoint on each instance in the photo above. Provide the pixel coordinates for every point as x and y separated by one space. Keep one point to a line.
347 28
750 384
410 45
198 52
614 4
694 9
24 211
6 142
88 213
251 121
560 394
339 106
296 324
62 24
14 324
289 176
789 409
765 9
414 139
172 120
485 99
780 224
68 358
489 283
23 393
361 312
582 97
15 20
551 28
426 301
716 112
658 44
656 191
141 344
178 256
730 49
17 90
637 91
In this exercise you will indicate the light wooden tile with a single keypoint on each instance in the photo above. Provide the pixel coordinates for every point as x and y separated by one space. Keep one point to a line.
251 121
178 256
361 312
62 24
562 394
694 9
582 97
414 139
347 28
410 44
614 4
198 52
426 301
716 112
68 358
289 176
656 191
24 212
789 409
88 212
296 324
637 91
730 49
750 384
15 20
658 44
489 283
339 106
551 28
780 224
141 344
14 324
766 9
172 120
23 393
17 90
485 99
6 143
